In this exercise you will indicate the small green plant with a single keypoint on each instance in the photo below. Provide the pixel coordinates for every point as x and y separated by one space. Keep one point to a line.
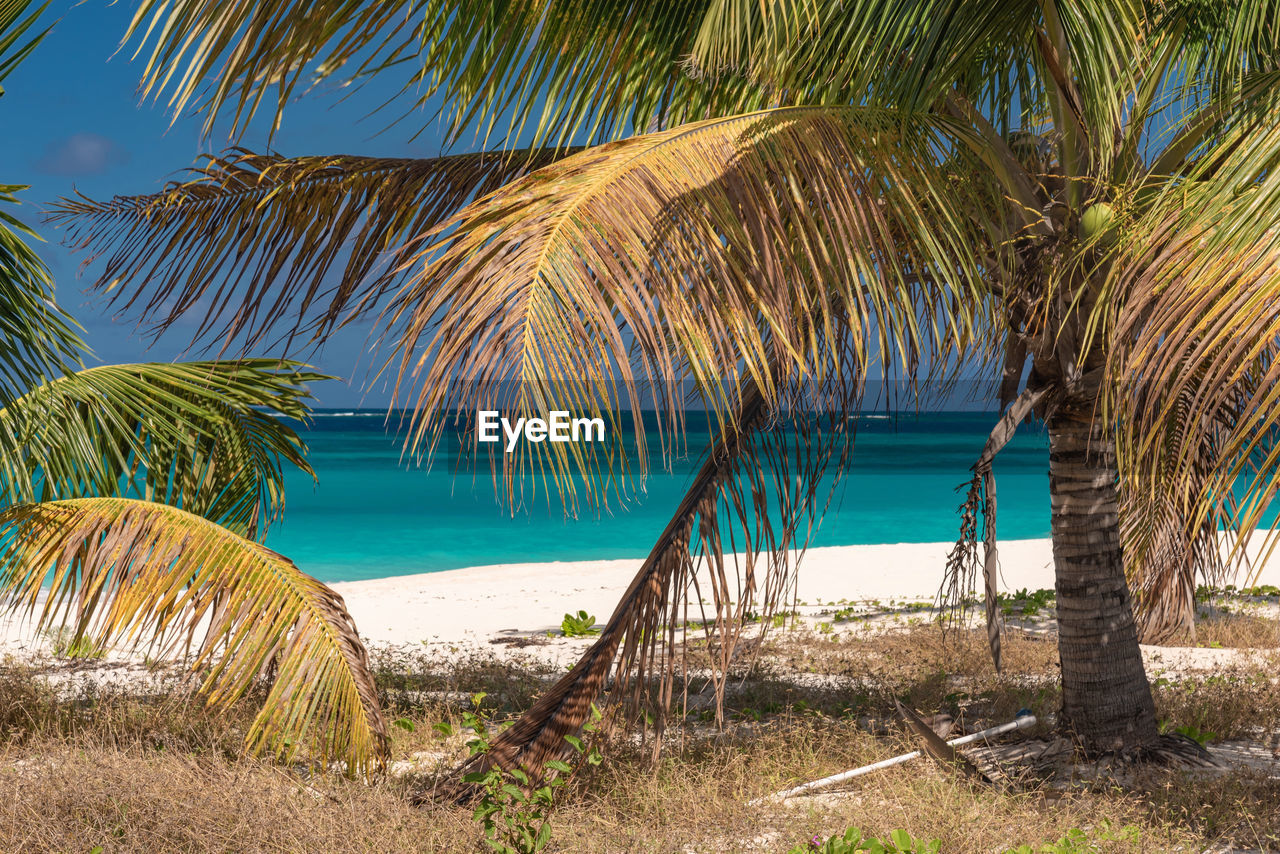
1024 602
514 810
67 645
579 625
1077 841
852 841
1196 734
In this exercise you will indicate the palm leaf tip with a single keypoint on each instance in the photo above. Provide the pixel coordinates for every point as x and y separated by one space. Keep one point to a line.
125 570
199 435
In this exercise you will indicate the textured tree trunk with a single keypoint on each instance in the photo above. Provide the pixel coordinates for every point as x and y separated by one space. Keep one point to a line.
1105 695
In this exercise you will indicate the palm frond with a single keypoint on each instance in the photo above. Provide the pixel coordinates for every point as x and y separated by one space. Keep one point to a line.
124 570
197 435
249 243
37 338
1194 374
584 70
629 268
907 54
736 538
216 55
1225 43
1171 542
13 26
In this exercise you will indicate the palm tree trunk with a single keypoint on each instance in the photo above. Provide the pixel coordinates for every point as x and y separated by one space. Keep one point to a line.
1105 695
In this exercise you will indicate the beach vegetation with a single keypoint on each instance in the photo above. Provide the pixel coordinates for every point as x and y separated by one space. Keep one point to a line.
852 842
579 625
135 767
774 205
133 499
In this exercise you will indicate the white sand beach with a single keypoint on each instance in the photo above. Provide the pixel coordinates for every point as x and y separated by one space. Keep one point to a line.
479 607
481 603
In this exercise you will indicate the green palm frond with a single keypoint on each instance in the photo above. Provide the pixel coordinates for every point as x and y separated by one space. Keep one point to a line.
249 242
13 26
197 435
128 571
37 338
1225 42
563 70
216 55
686 255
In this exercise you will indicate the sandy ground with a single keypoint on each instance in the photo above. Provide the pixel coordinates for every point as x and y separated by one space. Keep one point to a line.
479 606
480 603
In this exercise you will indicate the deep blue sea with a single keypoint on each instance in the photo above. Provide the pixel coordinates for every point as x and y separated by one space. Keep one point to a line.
373 515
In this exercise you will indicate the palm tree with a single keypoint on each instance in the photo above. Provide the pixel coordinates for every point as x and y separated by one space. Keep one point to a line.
133 499
1077 195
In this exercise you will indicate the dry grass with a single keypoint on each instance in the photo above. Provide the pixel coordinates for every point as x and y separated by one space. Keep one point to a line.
90 767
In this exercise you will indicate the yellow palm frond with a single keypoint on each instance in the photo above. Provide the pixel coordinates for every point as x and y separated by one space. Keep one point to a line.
630 268
124 570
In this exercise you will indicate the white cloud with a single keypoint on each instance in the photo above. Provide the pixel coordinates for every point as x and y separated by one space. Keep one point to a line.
81 154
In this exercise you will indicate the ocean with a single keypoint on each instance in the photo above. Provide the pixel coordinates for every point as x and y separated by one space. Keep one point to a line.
372 515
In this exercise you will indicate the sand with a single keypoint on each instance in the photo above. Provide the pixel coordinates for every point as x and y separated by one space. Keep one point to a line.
488 606
480 603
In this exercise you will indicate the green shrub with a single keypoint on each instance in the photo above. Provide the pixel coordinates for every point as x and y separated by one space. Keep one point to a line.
897 842
579 625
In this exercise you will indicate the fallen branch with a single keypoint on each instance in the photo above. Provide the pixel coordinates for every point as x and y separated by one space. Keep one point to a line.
1020 722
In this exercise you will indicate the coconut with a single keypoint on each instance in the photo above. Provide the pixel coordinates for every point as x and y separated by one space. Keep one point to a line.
1098 224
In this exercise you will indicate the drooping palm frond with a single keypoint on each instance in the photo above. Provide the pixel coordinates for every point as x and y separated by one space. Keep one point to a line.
255 243
1171 542
1195 367
733 543
198 435
215 55
125 570
980 504
631 267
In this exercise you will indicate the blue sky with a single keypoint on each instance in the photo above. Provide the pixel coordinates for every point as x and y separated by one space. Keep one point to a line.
71 119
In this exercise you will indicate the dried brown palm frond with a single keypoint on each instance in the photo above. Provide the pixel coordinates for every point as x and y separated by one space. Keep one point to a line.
735 539
1196 379
1171 544
197 435
980 505
632 267
255 243
124 570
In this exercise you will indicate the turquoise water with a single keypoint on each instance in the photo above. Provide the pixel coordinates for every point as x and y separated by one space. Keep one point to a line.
372 516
